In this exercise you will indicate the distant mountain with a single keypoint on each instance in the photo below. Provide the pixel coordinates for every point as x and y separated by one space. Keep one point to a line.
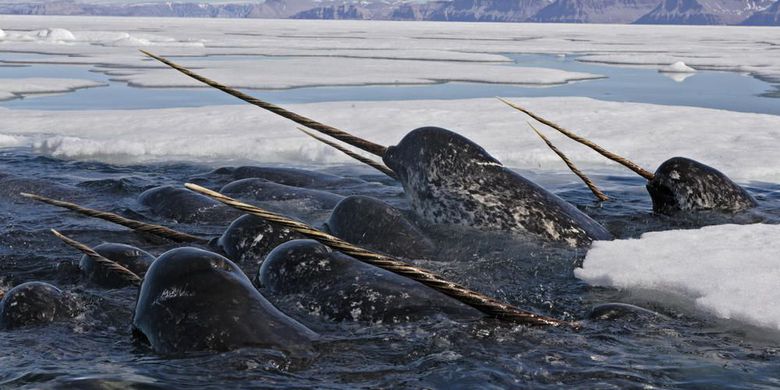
748 12
594 11
469 10
260 9
343 11
703 11
355 11
767 17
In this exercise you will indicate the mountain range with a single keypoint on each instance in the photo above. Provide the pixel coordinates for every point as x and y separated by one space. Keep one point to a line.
744 12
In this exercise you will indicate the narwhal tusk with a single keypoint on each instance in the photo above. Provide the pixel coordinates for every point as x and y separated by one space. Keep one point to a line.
483 303
378 166
340 135
110 265
612 156
157 230
592 186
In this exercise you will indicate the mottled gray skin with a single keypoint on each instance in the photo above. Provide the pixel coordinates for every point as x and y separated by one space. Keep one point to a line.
195 300
183 205
34 303
287 176
262 190
340 287
451 180
683 185
374 224
250 238
128 256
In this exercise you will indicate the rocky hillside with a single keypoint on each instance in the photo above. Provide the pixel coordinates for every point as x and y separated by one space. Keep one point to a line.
469 10
340 11
703 11
264 9
767 17
594 11
748 12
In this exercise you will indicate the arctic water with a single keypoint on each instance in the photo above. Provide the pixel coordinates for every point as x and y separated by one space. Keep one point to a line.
710 89
674 348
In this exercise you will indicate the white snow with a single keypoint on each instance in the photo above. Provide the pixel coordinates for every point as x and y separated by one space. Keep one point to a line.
2 34
12 141
13 88
131 41
731 271
645 133
677 67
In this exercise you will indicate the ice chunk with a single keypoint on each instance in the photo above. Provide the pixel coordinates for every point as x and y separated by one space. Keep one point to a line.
677 67
14 88
732 271
55 35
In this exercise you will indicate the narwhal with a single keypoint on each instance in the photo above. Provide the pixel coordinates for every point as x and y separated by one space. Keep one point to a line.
678 185
449 179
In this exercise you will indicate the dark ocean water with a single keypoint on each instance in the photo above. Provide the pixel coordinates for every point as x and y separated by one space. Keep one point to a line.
679 349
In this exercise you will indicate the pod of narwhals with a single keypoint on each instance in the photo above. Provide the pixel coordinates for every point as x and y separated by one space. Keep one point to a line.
194 299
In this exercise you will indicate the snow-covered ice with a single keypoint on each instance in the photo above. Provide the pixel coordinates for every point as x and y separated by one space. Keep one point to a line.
13 88
731 271
677 67
646 133
289 53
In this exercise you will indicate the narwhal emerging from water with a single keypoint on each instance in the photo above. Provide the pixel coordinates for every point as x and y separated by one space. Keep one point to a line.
451 180
678 185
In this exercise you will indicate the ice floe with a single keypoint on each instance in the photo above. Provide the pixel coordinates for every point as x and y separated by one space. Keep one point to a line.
301 72
677 67
14 88
646 133
731 271
55 35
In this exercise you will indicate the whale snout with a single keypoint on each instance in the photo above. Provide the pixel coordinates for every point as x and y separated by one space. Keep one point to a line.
390 159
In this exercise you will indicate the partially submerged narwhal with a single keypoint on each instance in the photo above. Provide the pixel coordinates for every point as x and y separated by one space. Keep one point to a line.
679 184
451 180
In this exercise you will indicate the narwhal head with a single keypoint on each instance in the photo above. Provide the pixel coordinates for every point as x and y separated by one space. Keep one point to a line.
679 184
442 172
195 300
437 151
682 184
